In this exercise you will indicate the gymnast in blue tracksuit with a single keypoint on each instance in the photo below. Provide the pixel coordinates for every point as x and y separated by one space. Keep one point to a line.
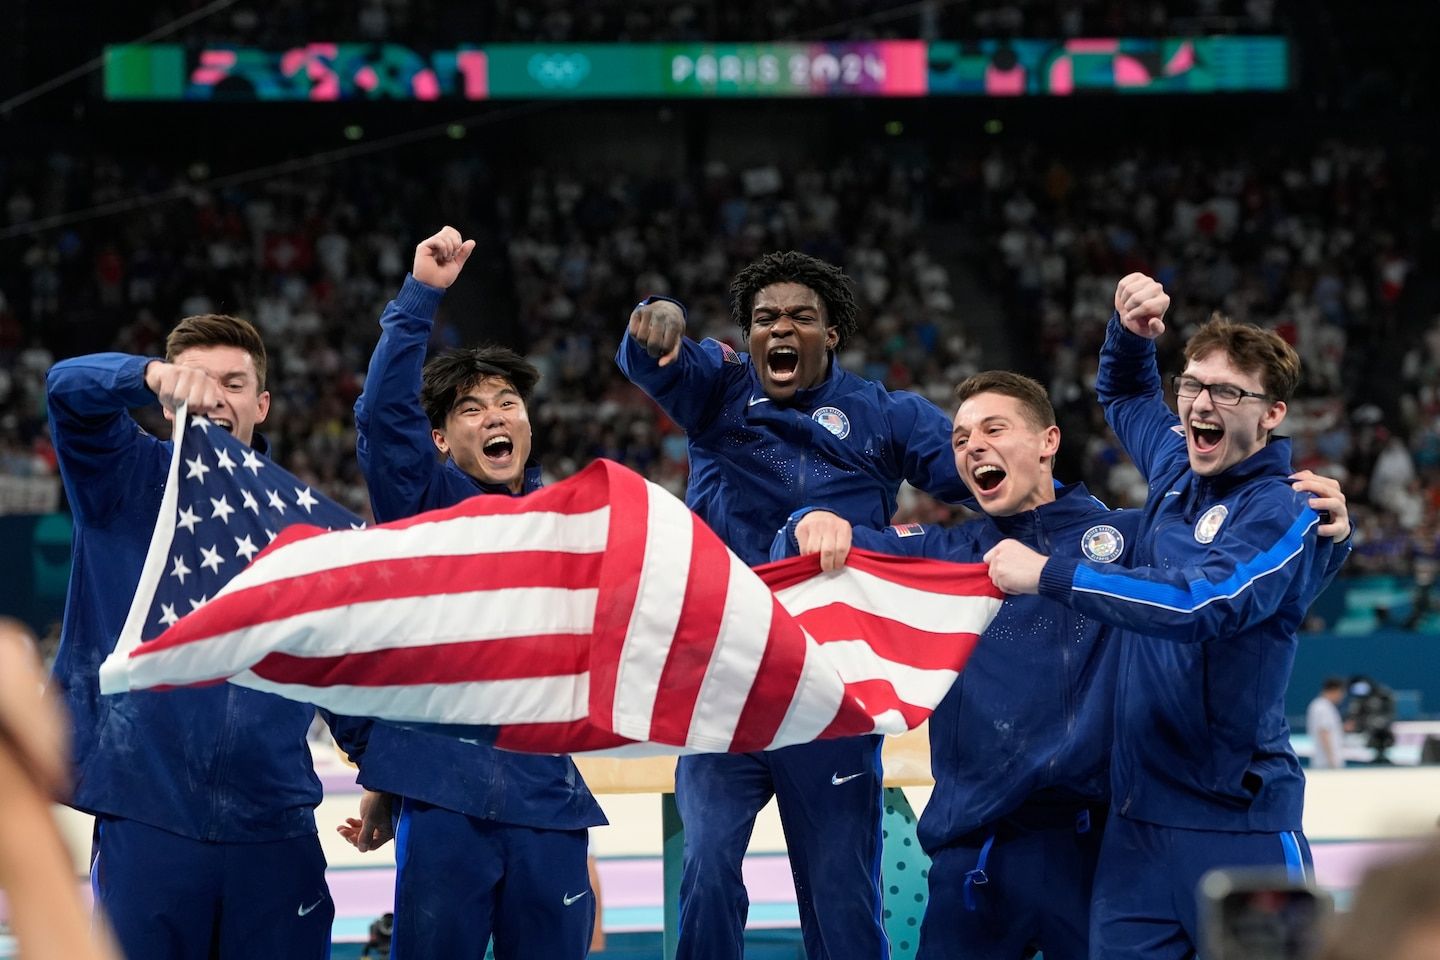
486 840
772 430
1224 569
1020 746
203 798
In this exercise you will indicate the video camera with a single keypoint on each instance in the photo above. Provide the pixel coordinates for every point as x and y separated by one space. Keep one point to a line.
1372 712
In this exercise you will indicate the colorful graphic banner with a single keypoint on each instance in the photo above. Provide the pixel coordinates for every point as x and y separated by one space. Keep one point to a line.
893 68
1008 68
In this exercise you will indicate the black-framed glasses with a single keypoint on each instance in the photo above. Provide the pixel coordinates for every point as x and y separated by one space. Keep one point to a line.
1226 393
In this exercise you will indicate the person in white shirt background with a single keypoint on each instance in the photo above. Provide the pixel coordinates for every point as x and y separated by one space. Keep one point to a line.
1326 729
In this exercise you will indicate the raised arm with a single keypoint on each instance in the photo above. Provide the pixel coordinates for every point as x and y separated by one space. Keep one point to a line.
686 378
96 440
393 439
1128 383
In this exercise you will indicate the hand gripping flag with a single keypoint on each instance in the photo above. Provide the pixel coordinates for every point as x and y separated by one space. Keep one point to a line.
597 614
223 504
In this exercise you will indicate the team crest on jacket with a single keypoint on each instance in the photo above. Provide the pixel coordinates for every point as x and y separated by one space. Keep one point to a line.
1102 543
1209 524
834 420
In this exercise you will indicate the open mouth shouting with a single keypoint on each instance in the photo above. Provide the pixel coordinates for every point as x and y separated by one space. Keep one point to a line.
986 481
987 477
499 450
1205 435
782 362
224 423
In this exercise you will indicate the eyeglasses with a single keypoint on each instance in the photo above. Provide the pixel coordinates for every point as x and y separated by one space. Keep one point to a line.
1226 393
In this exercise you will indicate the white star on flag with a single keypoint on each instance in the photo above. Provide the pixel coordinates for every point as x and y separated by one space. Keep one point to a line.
304 498
188 520
222 509
245 548
197 469
276 502
223 460
212 558
249 502
180 569
251 462
167 614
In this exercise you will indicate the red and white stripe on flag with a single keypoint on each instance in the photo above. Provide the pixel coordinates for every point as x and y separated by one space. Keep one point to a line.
593 615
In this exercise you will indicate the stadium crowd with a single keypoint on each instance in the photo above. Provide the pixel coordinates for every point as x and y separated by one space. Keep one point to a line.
1315 246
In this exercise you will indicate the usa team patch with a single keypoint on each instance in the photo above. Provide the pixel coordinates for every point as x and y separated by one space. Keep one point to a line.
1102 543
1209 524
728 354
834 420
908 529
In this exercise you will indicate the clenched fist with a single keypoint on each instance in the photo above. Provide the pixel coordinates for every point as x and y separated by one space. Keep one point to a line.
440 258
1141 303
658 327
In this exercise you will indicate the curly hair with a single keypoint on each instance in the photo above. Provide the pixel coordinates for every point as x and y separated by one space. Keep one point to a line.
448 373
836 290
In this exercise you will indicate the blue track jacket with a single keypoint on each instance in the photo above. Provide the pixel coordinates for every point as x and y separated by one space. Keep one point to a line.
400 464
1024 735
1222 574
217 763
843 446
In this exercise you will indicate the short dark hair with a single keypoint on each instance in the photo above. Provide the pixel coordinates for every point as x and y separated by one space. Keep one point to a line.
218 330
1251 349
448 373
835 289
1332 683
1034 398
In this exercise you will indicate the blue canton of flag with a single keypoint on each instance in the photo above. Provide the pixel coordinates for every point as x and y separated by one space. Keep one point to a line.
224 503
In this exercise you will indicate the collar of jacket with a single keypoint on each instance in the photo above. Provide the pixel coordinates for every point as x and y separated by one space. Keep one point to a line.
811 396
1271 460
1070 501
531 484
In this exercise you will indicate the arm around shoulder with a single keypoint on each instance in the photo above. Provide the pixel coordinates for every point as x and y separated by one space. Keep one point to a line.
1242 578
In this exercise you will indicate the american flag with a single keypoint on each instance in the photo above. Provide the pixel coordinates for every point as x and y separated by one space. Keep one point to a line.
597 614
223 504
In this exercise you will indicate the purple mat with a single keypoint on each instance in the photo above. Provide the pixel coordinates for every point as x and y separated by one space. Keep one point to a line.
1341 866
626 883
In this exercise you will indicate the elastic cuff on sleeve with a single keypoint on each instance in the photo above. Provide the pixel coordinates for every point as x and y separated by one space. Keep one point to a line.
793 522
654 298
1058 577
1123 341
418 298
